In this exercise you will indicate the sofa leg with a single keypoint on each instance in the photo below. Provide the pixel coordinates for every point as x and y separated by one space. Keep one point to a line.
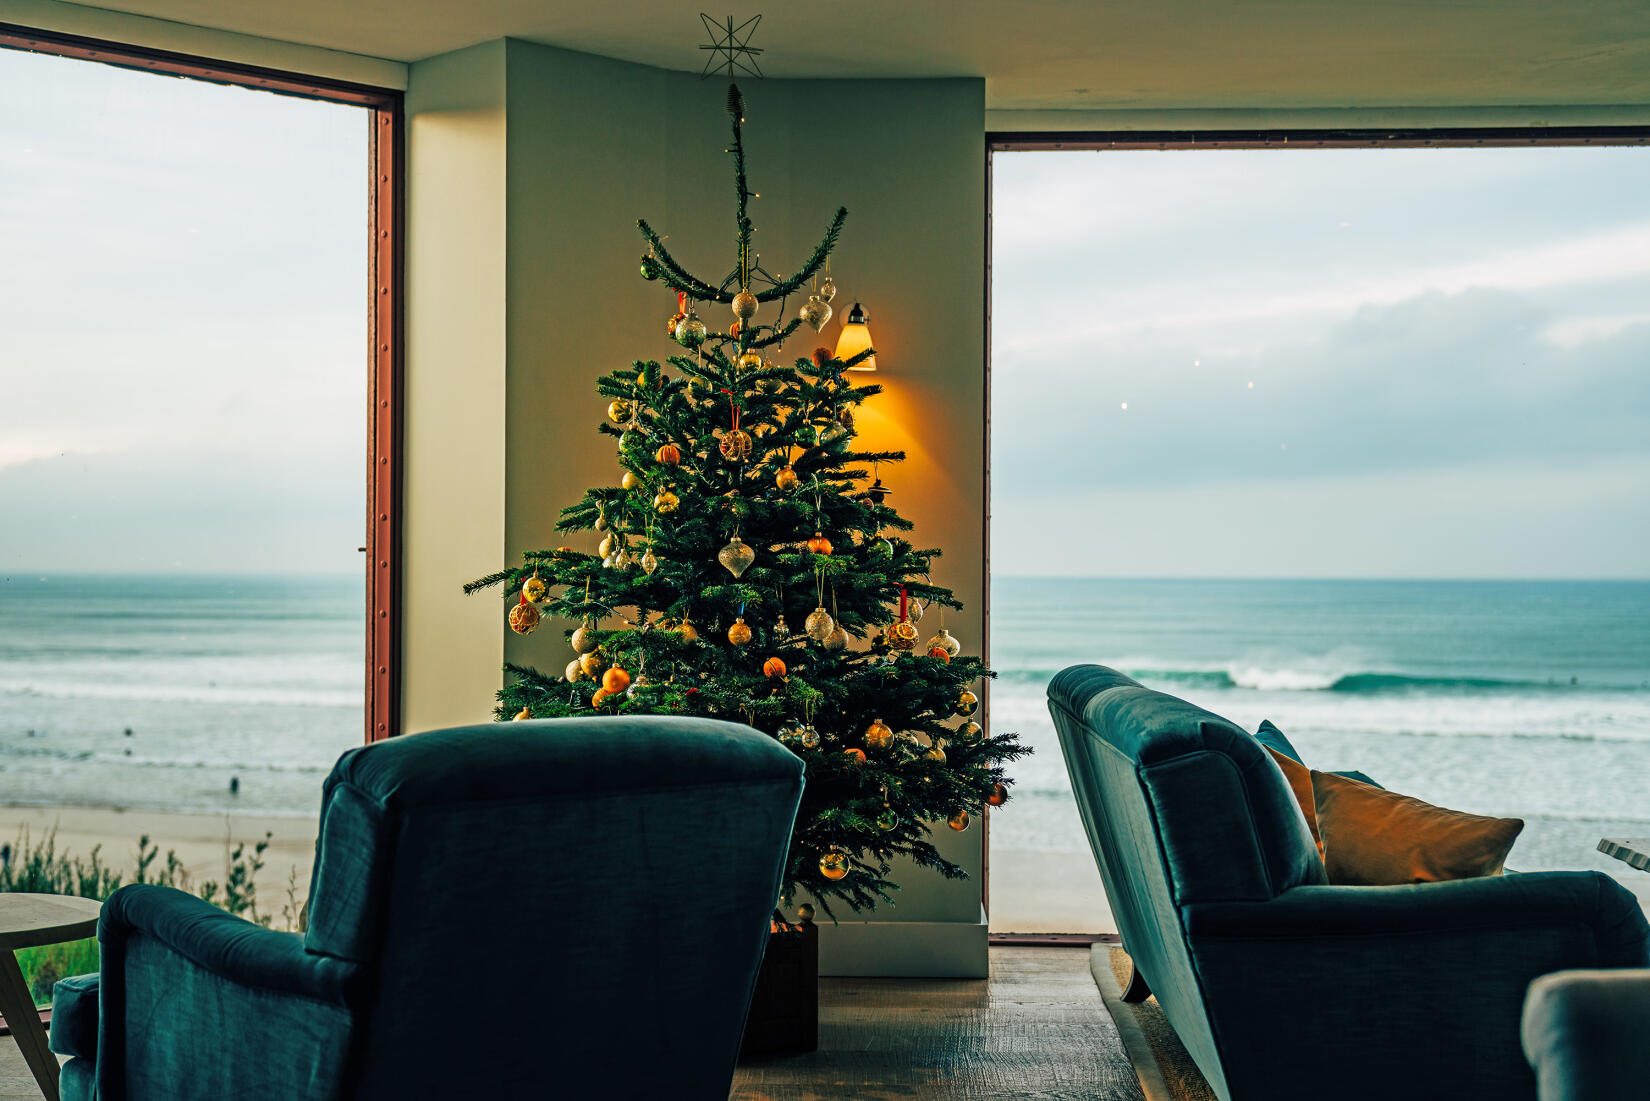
1137 990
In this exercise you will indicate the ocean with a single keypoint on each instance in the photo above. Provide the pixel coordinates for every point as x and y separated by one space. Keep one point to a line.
1526 699
218 678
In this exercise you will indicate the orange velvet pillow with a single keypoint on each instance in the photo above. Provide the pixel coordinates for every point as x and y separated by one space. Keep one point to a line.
1300 782
1374 837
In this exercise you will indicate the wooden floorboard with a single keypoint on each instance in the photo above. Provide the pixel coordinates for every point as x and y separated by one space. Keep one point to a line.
1036 1029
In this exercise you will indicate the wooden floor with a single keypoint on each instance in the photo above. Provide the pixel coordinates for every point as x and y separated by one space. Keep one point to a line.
1036 1029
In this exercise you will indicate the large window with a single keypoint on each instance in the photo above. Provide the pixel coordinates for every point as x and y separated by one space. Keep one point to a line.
184 440
1357 440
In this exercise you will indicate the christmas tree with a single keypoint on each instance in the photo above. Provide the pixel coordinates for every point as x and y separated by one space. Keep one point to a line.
745 570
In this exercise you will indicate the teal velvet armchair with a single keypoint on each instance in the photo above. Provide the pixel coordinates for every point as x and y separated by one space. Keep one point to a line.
1280 985
570 908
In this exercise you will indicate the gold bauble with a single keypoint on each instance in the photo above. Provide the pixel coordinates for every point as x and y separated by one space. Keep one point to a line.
736 445
573 672
620 411
815 312
819 544
833 865
836 640
998 796
739 634
969 730
609 544
666 501
804 912
959 821
827 289
744 305
688 632
786 478
615 680
878 735
967 703
524 618
584 639
630 481
534 588
736 557
818 624
690 331
855 755
748 361
936 752
592 663
524 713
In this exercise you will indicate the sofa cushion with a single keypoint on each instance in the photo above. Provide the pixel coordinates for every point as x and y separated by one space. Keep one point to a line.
1300 785
74 1016
1378 838
1268 735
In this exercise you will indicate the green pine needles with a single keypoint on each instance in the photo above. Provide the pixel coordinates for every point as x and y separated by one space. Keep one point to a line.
727 453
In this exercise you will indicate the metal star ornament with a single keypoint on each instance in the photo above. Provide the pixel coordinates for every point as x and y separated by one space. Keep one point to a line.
730 46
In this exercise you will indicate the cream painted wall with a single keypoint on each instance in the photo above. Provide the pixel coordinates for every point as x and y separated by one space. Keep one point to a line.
162 34
453 486
1327 118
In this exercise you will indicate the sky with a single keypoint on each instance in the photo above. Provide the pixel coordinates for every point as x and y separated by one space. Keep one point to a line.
1428 363
183 360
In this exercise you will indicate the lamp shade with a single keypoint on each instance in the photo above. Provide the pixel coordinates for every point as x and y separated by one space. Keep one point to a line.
856 338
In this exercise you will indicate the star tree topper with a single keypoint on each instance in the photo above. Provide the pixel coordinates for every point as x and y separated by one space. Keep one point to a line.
730 46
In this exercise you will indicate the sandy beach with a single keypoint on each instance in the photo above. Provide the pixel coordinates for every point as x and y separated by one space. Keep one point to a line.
202 842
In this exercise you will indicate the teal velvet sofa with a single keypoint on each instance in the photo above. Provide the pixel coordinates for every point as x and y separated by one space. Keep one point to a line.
1280 985
571 908
1587 1034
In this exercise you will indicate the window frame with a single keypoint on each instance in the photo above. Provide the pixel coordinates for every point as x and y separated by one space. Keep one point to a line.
386 249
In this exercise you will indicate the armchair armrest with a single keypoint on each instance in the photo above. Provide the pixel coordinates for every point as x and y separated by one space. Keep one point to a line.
228 946
199 1005
1390 990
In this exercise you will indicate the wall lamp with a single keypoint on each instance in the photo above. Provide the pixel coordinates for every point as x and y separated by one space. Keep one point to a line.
856 338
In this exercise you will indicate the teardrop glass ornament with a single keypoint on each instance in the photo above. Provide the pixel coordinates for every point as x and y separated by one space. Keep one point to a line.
736 557
944 640
650 562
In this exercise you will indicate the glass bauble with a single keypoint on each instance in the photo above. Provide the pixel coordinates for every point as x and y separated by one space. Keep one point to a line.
857 755
818 624
620 411
690 333
534 588
748 361
665 501
836 640
901 635
959 821
833 865
887 820
623 560
688 632
967 703
804 913
937 750
944 640
615 680
573 672
608 545
878 735
786 478
736 445
969 730
592 663
827 289
524 618
745 305
584 639
781 631
810 737
650 561
739 634
736 557
630 481
815 312
998 796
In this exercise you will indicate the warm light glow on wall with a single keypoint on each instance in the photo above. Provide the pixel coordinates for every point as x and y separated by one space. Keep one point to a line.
856 338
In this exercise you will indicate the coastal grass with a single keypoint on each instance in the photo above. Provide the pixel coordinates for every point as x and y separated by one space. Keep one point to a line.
40 867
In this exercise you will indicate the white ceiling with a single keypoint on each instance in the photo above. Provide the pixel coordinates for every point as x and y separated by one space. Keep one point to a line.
1052 53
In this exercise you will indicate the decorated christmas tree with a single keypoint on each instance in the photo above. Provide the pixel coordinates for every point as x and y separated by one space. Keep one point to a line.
750 567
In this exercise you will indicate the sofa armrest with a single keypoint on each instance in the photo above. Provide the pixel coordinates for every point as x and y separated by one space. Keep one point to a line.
74 1016
1424 983
1527 900
1584 1034
199 1005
